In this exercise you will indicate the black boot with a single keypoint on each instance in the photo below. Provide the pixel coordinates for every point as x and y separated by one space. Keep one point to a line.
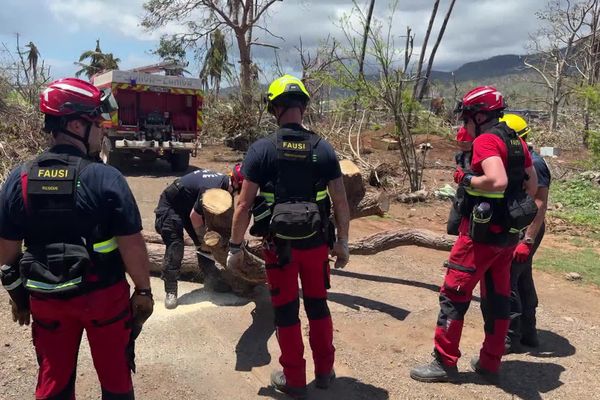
435 371
491 377
279 382
530 340
322 381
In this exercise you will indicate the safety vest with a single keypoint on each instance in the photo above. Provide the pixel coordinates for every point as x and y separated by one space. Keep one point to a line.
65 253
298 180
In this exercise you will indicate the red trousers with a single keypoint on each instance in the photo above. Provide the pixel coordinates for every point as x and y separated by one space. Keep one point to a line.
57 329
312 265
470 263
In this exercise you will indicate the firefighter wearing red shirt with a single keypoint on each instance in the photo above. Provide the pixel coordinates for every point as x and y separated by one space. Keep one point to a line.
494 198
81 229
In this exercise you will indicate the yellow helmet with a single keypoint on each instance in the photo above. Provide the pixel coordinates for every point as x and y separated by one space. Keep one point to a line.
285 86
517 124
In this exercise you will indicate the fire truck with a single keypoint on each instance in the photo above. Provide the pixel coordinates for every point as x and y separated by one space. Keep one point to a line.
159 116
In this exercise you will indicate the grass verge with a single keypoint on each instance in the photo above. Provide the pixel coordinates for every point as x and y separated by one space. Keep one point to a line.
585 262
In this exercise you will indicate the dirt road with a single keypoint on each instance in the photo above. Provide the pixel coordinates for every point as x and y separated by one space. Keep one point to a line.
384 309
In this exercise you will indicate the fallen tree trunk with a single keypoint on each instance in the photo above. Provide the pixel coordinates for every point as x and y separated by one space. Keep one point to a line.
403 237
373 203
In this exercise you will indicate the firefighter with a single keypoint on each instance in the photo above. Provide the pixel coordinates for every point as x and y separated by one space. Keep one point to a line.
81 229
298 175
494 200
523 299
179 208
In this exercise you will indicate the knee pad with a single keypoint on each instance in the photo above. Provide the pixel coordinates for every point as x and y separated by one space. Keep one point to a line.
316 308
287 314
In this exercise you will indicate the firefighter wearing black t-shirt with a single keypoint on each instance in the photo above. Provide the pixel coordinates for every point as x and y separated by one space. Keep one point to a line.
81 231
298 175
179 208
523 298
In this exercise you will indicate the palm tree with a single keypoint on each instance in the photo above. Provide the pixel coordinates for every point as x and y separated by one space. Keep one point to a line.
216 62
33 56
98 61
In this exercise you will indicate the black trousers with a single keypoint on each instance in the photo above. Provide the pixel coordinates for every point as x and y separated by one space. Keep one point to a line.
523 298
170 224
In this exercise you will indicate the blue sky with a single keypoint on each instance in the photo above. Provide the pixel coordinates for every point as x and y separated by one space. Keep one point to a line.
63 29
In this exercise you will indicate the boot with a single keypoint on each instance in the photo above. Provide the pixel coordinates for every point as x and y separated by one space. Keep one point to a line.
278 381
322 381
530 340
170 300
512 345
435 371
491 377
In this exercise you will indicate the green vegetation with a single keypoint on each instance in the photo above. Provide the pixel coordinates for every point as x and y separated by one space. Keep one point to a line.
584 262
580 201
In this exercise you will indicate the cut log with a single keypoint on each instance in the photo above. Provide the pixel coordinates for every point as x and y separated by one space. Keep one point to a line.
374 203
403 237
218 211
353 183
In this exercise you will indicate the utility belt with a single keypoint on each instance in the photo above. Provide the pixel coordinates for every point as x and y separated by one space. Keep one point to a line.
292 224
511 214
65 270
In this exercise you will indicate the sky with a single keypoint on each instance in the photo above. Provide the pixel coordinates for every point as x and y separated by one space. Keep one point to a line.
63 29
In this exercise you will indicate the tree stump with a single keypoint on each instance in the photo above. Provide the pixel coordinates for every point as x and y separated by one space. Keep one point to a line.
353 183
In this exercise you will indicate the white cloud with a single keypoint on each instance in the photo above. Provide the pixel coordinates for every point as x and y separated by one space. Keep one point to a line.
116 15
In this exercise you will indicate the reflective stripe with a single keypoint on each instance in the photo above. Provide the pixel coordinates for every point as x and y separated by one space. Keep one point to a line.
263 215
515 230
107 246
294 237
481 220
481 193
50 287
13 285
269 197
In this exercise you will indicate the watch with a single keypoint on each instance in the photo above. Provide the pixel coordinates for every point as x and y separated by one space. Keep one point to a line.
143 292
466 181
528 240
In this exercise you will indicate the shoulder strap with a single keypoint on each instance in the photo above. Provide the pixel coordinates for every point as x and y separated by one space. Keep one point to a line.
515 169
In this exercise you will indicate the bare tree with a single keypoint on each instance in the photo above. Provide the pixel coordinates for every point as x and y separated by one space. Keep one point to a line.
390 89
202 17
554 44
425 82
23 71
424 47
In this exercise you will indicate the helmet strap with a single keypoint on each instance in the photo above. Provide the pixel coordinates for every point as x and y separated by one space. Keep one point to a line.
84 139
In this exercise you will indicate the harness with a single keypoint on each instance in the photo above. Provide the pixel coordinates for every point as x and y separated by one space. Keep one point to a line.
66 253
512 209
294 209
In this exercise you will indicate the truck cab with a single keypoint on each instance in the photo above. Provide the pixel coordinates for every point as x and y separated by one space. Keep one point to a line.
159 116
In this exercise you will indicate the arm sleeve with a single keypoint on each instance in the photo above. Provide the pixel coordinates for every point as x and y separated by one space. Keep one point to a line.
486 146
251 166
123 213
528 160
12 211
198 204
331 169
542 171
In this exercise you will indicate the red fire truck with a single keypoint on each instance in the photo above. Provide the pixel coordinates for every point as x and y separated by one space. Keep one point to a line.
159 117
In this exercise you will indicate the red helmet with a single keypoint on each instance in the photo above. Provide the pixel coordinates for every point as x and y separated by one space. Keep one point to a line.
72 96
481 99
236 174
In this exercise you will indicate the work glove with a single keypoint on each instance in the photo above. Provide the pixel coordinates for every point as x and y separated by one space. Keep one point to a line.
235 257
20 315
461 177
142 306
341 252
522 252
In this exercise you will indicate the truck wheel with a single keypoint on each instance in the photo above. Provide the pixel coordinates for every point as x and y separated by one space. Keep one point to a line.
108 155
180 162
